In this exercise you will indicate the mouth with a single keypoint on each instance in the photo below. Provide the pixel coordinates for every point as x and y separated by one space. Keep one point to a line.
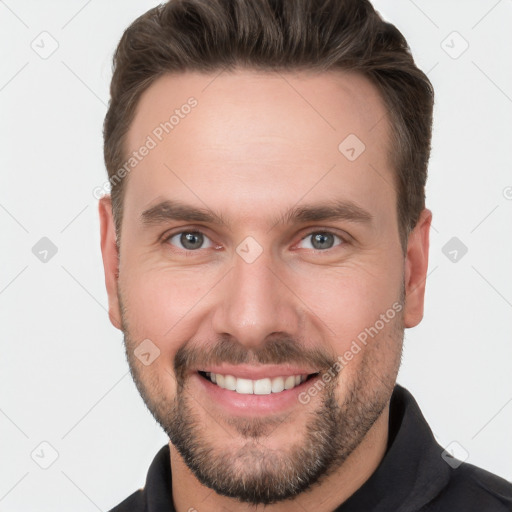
262 386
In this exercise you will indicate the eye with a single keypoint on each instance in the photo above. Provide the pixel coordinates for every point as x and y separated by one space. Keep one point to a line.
189 240
320 240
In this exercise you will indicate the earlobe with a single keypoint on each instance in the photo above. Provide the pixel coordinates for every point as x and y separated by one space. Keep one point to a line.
416 265
110 257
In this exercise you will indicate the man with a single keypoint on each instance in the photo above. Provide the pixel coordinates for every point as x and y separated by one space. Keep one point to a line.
265 245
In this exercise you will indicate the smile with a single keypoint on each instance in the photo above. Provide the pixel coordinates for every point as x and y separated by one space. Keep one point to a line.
264 386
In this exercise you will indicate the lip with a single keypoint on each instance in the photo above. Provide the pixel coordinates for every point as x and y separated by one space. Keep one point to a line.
238 404
245 371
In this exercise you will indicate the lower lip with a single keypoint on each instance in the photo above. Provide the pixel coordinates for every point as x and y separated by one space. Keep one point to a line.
253 405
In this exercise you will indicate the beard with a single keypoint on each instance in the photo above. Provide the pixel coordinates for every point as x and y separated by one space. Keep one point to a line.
249 471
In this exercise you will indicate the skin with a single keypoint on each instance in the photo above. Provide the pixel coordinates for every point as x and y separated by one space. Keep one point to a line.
256 145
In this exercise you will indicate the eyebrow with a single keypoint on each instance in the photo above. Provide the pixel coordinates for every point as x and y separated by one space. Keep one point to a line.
175 210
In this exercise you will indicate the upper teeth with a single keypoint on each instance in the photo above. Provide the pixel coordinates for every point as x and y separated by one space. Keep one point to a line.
256 387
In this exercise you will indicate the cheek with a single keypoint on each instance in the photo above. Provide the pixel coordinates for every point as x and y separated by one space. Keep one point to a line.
159 303
347 300
154 307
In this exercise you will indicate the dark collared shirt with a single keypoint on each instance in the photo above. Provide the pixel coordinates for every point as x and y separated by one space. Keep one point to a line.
415 475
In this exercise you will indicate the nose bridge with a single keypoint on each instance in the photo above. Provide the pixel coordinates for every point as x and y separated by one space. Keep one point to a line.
253 302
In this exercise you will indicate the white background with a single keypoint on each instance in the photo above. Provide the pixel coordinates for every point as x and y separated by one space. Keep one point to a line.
63 375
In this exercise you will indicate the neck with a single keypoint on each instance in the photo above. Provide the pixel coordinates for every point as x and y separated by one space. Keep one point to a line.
189 494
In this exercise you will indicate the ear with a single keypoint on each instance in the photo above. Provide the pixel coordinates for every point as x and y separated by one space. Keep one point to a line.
110 256
416 264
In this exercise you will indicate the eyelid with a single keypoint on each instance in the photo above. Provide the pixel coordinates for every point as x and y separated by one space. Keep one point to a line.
324 229
183 229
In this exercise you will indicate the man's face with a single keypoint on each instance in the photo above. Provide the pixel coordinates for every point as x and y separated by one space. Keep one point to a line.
271 284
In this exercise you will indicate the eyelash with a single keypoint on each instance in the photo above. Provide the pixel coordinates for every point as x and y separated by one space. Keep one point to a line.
167 237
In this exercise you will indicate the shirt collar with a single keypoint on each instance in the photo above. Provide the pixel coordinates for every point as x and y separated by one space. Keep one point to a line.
411 472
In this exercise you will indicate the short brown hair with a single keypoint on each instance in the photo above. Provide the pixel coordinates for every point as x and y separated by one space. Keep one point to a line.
278 35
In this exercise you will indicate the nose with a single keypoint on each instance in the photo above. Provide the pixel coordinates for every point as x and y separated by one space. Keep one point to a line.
254 301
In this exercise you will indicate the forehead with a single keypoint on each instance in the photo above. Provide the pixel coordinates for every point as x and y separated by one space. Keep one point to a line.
242 137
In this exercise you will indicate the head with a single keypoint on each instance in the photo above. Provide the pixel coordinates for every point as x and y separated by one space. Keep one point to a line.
268 161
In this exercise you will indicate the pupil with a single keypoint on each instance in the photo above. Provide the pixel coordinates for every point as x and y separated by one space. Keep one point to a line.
191 240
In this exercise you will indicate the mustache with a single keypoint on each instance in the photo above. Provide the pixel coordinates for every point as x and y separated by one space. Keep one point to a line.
277 349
